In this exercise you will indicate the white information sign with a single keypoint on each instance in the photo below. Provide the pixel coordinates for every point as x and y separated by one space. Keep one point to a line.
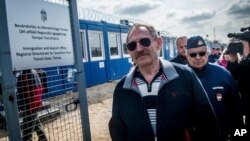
39 33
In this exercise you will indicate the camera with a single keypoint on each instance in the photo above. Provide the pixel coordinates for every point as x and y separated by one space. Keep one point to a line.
243 29
245 35
236 46
240 36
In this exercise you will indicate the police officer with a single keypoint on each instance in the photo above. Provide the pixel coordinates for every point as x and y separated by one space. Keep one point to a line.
219 85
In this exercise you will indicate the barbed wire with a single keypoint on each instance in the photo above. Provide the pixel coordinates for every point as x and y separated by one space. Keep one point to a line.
94 15
62 2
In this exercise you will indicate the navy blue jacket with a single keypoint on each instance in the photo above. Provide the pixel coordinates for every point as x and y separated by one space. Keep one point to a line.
224 96
182 106
179 59
213 58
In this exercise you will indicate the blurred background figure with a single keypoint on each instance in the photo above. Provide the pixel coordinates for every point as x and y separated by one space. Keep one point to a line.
223 60
214 53
181 43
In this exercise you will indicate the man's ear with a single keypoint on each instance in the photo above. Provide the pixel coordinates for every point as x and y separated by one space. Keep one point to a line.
160 43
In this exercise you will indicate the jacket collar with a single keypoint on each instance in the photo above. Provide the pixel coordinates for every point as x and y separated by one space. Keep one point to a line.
168 70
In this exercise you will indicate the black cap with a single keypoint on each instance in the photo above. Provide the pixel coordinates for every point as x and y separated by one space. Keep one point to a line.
195 41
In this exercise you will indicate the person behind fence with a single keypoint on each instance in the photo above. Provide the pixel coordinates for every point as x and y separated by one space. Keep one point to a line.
219 85
29 94
159 100
181 43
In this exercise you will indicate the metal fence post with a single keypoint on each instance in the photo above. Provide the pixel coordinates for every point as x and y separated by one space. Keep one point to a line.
8 82
80 70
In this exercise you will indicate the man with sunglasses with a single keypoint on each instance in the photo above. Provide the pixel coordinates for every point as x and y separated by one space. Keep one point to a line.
219 85
158 100
181 43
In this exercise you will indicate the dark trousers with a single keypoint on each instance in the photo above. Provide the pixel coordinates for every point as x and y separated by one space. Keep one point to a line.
31 123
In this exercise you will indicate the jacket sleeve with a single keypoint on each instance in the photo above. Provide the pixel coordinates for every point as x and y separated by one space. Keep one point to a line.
116 125
205 121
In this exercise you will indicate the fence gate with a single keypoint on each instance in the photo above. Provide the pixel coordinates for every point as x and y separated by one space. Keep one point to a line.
43 94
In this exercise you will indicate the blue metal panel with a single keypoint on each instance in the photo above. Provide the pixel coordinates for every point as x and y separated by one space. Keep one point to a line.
88 74
98 73
117 69
126 65
166 48
54 82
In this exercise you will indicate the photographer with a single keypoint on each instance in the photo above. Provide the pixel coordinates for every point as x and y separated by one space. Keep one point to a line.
234 53
244 74
244 78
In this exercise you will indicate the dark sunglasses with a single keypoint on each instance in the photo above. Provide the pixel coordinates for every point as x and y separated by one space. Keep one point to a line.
144 42
201 54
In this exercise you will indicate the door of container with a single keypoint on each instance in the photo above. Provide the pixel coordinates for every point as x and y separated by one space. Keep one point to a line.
97 63
116 68
85 58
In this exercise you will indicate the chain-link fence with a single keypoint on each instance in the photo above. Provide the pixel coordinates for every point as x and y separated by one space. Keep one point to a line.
48 104
45 103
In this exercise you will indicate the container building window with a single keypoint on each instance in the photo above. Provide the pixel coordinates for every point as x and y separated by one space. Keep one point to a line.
114 45
124 44
96 45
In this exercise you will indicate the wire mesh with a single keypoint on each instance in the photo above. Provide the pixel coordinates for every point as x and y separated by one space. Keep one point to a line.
48 104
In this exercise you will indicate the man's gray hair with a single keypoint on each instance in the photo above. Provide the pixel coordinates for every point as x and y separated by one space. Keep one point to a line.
150 28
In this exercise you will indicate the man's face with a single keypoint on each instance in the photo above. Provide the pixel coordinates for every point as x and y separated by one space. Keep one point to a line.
181 46
145 46
197 57
213 51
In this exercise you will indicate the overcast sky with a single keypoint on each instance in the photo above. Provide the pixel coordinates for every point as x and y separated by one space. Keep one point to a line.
181 17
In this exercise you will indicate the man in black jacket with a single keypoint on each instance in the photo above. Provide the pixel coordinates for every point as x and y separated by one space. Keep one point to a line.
158 100
181 43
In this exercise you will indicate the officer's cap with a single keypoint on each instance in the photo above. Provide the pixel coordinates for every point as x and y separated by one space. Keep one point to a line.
195 41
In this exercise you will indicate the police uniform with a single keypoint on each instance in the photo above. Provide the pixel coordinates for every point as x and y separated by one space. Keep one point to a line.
222 92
